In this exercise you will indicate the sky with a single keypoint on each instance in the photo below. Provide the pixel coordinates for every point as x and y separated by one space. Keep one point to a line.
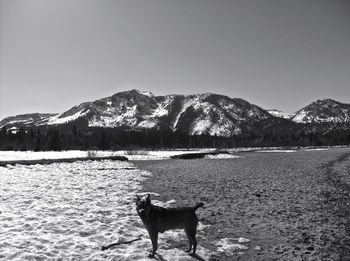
277 54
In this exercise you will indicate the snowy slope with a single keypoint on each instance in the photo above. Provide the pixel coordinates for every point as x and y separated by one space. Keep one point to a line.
321 111
280 114
194 114
132 109
26 120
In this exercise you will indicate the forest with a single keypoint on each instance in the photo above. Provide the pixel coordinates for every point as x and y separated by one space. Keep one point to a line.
71 137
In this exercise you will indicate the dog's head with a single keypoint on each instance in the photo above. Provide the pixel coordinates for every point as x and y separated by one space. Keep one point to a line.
143 205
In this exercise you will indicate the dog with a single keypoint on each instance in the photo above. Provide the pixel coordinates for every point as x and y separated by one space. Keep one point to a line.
157 219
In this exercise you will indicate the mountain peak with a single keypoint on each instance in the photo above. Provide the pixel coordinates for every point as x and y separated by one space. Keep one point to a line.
323 110
326 100
203 113
194 114
137 92
145 93
133 92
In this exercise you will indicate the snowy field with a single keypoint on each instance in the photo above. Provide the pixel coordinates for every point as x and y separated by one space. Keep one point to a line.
67 211
130 154
136 154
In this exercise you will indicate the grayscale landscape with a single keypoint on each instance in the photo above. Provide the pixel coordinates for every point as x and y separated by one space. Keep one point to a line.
175 130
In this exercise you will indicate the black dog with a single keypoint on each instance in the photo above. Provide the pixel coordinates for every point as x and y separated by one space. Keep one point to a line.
158 219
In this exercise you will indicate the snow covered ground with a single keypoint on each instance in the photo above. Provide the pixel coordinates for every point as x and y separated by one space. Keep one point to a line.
156 154
221 156
67 211
130 154
137 154
35 155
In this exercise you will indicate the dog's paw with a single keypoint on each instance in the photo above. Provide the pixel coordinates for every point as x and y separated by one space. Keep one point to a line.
188 250
151 254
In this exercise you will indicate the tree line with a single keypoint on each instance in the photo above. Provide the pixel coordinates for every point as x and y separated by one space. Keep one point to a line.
73 138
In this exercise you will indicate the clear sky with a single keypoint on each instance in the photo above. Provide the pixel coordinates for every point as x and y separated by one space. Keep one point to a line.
280 54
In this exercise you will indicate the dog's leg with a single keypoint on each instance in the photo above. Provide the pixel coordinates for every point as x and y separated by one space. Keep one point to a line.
194 243
188 250
192 236
154 238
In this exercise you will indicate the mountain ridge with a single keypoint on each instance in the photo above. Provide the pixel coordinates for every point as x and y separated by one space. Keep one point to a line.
195 114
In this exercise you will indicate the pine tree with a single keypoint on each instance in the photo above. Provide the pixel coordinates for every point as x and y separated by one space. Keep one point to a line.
54 141
103 143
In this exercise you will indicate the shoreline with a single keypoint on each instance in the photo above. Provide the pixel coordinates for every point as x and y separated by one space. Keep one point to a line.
60 160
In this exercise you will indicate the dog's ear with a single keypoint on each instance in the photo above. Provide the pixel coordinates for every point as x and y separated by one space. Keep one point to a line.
137 199
148 197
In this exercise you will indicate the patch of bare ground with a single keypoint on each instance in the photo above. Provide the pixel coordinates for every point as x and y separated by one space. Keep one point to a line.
337 204
294 205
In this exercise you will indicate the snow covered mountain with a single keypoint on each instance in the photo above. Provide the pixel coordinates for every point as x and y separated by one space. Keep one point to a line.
195 114
26 120
206 113
323 111
320 111
280 114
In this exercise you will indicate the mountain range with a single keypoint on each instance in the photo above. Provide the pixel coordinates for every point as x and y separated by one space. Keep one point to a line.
206 113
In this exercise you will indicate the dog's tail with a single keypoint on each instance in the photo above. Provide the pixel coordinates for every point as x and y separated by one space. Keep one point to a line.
199 205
